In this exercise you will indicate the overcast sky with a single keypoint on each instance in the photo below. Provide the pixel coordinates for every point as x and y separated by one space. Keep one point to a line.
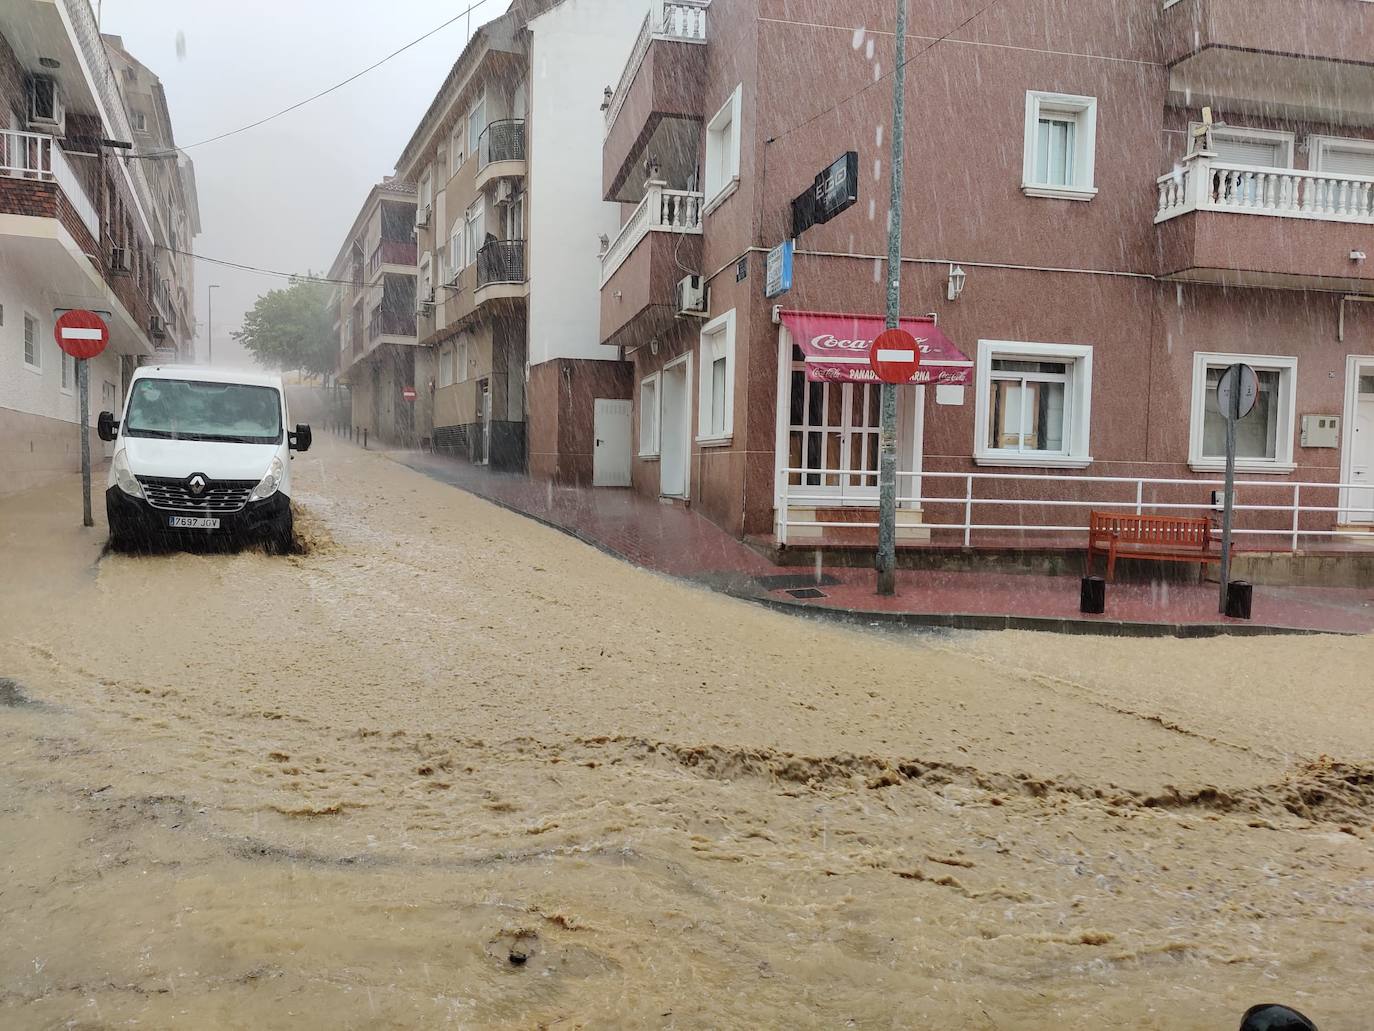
281 196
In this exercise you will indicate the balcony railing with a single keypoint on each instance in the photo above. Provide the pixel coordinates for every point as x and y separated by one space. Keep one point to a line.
1202 183
503 140
680 20
501 261
31 155
661 211
390 323
391 252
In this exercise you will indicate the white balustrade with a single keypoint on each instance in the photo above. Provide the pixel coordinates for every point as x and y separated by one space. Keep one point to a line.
1202 183
663 211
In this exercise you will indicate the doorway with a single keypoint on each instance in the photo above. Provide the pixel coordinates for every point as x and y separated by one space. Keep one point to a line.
675 447
482 450
1357 465
611 452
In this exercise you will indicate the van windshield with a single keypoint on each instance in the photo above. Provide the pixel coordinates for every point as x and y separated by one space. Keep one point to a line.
179 409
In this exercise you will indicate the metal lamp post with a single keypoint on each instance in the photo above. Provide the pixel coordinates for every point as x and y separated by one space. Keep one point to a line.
210 329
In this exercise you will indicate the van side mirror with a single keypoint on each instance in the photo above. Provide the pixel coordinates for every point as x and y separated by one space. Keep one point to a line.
301 439
106 427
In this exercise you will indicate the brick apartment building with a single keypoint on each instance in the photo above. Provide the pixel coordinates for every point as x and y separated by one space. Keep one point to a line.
79 228
1096 260
374 313
508 217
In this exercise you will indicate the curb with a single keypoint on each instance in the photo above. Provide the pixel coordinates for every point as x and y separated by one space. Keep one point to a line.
919 620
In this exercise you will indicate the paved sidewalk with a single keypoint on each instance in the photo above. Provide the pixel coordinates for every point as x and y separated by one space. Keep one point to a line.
674 540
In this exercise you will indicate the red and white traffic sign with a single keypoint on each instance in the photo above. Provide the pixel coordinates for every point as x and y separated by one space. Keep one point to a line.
895 356
82 334
408 393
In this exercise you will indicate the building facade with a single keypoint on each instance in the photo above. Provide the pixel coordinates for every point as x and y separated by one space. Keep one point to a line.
1096 248
78 229
374 314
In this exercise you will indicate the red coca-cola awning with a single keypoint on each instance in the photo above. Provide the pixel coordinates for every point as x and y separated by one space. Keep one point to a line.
835 347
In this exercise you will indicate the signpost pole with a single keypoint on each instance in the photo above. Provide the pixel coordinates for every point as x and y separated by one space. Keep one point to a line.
83 388
887 438
1232 412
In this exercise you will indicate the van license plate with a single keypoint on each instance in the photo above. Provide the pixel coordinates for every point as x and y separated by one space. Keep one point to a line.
192 523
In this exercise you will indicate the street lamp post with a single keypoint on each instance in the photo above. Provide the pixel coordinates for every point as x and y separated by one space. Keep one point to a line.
210 330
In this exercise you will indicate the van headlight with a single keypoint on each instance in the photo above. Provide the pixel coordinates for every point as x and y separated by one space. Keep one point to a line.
268 485
124 476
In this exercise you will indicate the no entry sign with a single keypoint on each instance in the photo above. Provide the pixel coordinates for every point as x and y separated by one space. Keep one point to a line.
81 334
894 356
408 393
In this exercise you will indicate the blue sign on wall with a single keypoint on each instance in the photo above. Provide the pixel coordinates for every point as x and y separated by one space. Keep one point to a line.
779 279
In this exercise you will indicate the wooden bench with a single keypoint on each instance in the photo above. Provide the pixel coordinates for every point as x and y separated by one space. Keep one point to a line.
1166 538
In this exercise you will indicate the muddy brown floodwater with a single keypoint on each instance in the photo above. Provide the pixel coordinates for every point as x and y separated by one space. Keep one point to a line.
452 768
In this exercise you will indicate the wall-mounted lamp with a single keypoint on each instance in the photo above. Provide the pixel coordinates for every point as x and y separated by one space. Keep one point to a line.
1357 256
605 244
957 276
606 99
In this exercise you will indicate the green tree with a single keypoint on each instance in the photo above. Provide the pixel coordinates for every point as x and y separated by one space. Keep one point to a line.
293 328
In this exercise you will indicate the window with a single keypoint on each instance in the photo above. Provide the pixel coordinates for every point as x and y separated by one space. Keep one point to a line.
477 118
1342 157
446 366
476 221
722 152
33 355
1264 148
455 248
68 372
462 360
648 416
455 150
1264 438
140 121
426 199
716 386
426 280
1060 146
1033 404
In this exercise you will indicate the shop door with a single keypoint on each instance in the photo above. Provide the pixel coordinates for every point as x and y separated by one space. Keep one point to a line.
611 453
483 422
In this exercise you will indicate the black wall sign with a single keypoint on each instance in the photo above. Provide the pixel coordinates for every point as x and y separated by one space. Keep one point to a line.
742 269
835 189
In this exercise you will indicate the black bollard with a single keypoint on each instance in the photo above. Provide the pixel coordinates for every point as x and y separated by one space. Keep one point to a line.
364 438
1239 594
1092 597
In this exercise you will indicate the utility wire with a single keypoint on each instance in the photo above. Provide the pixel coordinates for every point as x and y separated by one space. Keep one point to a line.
307 278
323 93
883 78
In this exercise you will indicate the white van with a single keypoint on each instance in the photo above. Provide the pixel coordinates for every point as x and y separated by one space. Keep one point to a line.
201 452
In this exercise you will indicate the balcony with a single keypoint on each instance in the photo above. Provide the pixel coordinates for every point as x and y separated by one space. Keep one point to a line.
385 323
661 237
400 253
501 151
1244 225
1307 61
33 157
656 107
500 271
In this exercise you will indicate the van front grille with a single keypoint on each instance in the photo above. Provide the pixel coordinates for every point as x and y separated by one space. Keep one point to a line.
219 496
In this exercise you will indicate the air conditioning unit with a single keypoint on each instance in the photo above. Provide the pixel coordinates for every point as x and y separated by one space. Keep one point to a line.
425 309
422 217
45 106
691 296
157 327
504 191
119 261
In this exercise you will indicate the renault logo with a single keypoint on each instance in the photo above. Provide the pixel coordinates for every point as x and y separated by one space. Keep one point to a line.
197 484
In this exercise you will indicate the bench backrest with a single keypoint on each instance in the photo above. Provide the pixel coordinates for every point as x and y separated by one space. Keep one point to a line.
1152 529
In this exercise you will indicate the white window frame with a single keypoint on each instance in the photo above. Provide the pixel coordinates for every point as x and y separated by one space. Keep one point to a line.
462 359
475 130
1319 145
651 447
455 246
456 154
475 219
426 281
717 341
1244 132
1084 109
427 194
717 192
37 364
1287 367
66 372
446 359
1077 404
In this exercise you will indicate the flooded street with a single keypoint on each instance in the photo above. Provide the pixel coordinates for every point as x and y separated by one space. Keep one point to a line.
452 768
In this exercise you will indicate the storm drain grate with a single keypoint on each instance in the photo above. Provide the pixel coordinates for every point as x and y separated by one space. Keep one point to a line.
795 581
807 592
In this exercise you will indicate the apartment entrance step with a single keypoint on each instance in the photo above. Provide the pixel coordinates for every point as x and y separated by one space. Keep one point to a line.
910 528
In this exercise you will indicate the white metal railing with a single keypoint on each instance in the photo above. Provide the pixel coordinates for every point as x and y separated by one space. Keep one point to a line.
31 155
662 210
1202 183
834 488
680 20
